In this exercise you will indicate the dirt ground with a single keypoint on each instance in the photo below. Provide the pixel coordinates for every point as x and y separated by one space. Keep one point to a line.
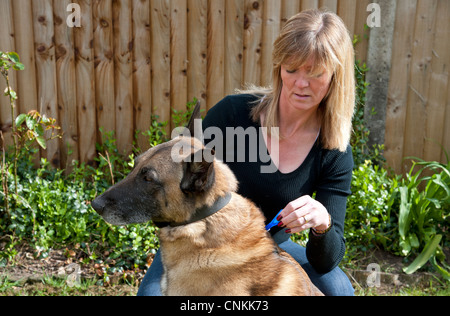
32 276
391 278
37 276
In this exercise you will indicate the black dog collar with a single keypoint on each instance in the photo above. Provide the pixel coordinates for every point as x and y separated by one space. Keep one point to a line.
201 213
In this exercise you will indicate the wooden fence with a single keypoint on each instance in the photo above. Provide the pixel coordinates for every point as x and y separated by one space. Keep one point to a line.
134 58
418 107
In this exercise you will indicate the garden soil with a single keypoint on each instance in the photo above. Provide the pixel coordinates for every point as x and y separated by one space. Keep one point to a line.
31 271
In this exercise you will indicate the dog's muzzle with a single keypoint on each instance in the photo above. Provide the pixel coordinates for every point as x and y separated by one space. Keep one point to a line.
98 205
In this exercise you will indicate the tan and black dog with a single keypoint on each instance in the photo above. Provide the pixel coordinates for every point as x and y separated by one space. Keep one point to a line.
213 241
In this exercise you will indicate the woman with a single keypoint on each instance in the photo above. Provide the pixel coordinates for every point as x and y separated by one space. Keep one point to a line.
308 115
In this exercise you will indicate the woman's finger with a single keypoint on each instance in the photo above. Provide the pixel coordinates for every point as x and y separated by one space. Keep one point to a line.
298 229
294 205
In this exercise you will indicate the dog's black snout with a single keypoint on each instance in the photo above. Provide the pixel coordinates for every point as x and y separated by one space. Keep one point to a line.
98 205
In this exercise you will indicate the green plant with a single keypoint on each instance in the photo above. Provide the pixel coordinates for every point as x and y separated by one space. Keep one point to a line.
424 214
32 127
368 221
156 133
8 61
181 117
27 129
109 160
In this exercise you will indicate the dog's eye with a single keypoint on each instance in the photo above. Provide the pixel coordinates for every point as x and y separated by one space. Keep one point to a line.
149 175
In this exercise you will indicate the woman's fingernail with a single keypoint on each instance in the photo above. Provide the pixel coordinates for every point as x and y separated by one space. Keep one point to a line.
280 224
279 218
287 231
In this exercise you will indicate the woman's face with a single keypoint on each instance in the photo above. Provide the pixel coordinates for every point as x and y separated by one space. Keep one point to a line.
302 89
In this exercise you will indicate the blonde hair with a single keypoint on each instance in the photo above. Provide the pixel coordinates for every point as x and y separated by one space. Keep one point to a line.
323 36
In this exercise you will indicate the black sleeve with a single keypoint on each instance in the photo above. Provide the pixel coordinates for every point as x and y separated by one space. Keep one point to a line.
326 251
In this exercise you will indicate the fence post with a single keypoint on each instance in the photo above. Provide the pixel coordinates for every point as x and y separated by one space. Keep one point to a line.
379 64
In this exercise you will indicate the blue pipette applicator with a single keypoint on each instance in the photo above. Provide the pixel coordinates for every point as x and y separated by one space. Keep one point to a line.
274 222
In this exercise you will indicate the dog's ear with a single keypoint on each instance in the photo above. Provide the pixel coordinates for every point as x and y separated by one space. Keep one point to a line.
198 176
195 116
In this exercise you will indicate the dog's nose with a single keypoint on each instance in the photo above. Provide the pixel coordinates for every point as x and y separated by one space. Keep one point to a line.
98 205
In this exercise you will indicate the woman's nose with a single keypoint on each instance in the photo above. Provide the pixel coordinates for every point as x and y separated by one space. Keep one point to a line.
302 81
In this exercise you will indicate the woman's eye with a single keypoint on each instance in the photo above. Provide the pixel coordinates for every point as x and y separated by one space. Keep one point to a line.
291 71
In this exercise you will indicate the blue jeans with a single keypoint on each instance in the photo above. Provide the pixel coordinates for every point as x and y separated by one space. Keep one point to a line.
333 283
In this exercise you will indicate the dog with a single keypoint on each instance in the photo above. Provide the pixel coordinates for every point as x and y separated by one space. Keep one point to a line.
213 240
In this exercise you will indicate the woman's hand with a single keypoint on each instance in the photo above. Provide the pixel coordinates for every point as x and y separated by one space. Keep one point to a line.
302 214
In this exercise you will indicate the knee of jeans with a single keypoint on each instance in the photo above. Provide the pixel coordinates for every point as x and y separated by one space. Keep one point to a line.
151 284
334 283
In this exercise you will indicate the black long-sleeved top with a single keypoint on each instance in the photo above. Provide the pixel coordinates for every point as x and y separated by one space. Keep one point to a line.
324 172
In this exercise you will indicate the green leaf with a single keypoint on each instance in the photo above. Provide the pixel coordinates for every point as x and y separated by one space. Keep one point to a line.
427 253
20 119
41 141
31 123
14 57
19 66
414 241
441 270
406 247
13 94
39 130
405 208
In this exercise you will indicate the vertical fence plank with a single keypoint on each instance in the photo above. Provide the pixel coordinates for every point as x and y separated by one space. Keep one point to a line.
123 47
24 40
104 65
420 80
288 9
252 42
66 83
361 31
446 131
142 93
398 87
438 83
7 45
216 51
160 24
46 69
234 43
197 50
178 40
309 4
84 57
330 5
271 29
347 11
